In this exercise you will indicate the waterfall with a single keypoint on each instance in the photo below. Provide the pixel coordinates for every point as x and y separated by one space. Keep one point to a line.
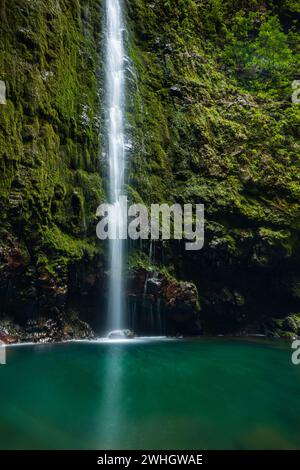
115 90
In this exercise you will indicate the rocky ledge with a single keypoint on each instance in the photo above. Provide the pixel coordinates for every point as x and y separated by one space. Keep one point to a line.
178 301
45 330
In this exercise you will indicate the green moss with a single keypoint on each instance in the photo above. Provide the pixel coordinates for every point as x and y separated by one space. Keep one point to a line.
212 122
54 240
50 183
288 327
211 139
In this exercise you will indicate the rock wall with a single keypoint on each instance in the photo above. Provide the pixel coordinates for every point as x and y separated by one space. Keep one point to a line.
209 119
50 154
214 123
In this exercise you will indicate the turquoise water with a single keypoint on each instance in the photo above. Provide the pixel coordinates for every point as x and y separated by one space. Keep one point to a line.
198 394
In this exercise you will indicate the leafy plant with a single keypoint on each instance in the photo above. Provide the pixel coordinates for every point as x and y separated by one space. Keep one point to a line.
262 53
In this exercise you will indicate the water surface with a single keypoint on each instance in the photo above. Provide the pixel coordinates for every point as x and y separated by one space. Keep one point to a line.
197 394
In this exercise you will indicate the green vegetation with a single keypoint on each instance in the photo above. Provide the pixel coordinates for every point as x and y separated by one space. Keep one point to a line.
214 123
49 130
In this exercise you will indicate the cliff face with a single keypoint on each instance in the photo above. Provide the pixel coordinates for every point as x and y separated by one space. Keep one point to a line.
215 124
211 121
49 152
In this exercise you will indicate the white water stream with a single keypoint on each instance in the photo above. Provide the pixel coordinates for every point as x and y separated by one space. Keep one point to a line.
115 89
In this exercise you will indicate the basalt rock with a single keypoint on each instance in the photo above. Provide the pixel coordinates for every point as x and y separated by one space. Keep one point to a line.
9 332
178 300
58 326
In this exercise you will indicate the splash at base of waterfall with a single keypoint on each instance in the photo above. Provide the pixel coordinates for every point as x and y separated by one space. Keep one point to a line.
121 334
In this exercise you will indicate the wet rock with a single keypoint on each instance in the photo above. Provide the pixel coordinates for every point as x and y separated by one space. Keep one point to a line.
179 301
180 296
176 91
291 324
48 285
120 334
154 285
288 327
61 327
9 333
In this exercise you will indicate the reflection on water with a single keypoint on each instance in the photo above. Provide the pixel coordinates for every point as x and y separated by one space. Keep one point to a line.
111 419
110 410
151 394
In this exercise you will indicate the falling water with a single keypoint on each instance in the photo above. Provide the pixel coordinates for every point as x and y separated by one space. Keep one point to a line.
115 85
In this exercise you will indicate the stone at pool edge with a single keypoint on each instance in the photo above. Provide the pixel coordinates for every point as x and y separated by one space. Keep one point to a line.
120 334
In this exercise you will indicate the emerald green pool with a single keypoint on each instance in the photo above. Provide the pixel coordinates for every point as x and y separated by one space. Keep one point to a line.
185 394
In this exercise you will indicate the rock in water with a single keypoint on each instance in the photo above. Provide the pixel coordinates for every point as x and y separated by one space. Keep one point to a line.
120 334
